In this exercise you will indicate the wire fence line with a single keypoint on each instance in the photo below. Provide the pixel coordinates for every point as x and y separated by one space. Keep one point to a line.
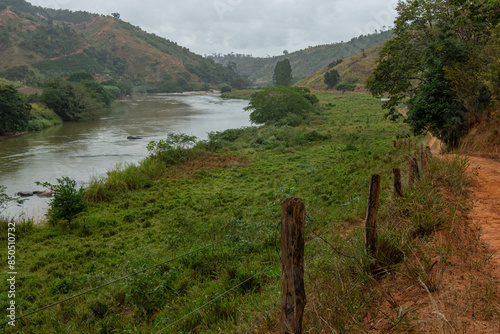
212 300
134 274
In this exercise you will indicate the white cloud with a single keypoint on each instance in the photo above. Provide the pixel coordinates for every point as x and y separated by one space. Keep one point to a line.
258 27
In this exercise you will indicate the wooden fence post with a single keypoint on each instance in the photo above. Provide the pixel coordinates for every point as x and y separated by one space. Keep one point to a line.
293 295
415 165
397 181
371 216
394 143
428 153
411 173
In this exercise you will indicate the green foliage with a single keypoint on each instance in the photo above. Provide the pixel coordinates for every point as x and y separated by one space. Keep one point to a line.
73 101
274 104
282 73
335 63
67 65
42 117
173 149
50 40
225 89
14 111
79 76
6 200
67 201
439 59
345 87
331 78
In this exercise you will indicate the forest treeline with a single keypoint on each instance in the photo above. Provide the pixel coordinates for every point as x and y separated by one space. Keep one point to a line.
443 64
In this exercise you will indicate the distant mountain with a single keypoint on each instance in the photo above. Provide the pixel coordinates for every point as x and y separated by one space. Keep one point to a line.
37 42
353 70
304 62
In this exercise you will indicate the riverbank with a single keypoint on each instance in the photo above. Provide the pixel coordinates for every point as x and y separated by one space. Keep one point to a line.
227 190
41 117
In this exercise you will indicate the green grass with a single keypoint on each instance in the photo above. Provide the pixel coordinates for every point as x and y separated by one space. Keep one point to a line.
42 117
143 215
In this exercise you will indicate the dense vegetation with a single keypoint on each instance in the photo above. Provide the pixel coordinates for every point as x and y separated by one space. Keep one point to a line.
181 198
14 110
282 75
443 62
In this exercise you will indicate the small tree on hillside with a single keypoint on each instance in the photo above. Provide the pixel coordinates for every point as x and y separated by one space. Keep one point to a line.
282 73
331 78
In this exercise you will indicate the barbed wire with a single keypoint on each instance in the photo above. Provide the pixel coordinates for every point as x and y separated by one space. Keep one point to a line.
211 301
133 274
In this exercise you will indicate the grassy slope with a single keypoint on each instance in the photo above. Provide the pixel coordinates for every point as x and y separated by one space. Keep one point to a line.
193 205
150 213
354 68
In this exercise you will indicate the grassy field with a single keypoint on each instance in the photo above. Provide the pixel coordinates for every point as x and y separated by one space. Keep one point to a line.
229 186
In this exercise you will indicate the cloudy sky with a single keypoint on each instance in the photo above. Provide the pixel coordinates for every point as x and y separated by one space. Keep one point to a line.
257 27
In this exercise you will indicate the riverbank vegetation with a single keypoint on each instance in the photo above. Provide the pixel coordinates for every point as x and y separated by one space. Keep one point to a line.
188 195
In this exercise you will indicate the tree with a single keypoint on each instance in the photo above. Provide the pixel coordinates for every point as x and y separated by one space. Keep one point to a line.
438 63
331 78
67 202
345 87
14 111
282 73
116 15
282 105
79 76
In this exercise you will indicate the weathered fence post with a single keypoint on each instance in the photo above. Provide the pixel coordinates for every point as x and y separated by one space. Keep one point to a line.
411 173
293 295
415 165
428 153
423 158
371 216
397 181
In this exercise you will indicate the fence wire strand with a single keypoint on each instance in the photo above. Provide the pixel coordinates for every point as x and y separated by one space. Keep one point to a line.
133 274
211 301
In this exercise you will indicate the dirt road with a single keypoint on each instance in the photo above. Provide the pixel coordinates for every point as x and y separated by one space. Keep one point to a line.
486 209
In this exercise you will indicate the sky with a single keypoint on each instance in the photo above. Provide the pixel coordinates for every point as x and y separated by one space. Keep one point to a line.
257 27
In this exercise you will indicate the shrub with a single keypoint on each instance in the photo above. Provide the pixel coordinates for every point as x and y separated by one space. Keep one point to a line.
173 149
67 202
273 104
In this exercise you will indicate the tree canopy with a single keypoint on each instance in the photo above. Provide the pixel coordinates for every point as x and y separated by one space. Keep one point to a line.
280 104
14 111
331 78
443 62
282 73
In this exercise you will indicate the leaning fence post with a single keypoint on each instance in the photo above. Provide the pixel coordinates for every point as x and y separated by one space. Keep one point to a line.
397 181
371 216
293 295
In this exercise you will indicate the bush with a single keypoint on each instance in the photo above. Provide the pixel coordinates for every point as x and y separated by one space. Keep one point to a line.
274 104
173 149
67 202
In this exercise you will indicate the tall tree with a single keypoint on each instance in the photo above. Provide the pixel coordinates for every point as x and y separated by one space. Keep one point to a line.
437 60
14 111
282 73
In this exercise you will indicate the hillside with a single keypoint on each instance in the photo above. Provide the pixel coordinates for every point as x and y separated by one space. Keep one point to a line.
353 70
59 42
304 62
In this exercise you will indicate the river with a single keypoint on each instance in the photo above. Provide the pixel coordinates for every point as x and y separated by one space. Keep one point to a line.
80 150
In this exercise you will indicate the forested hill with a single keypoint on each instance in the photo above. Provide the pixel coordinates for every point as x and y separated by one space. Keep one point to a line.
304 62
37 42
